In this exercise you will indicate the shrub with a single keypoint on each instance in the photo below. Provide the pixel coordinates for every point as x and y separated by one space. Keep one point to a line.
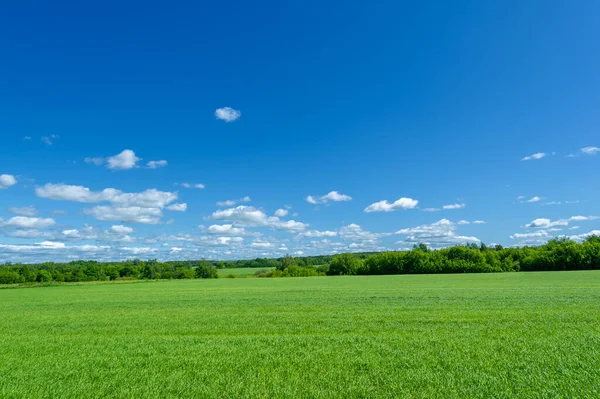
206 271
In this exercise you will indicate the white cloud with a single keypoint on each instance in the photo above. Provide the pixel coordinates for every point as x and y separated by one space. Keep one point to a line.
178 207
7 180
120 229
453 206
94 160
547 223
317 233
225 229
157 164
281 212
534 199
233 202
49 140
125 160
537 155
132 214
252 217
261 244
151 198
478 222
227 114
439 234
552 203
584 236
188 185
590 150
24 211
537 234
139 250
431 209
461 222
331 196
385 206
24 222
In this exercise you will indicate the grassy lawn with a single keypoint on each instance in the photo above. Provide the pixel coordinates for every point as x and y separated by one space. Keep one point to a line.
242 271
524 335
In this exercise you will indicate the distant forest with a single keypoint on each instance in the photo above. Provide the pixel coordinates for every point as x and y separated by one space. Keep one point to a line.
557 254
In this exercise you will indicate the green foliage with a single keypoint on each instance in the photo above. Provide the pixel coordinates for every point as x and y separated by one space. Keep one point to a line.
207 271
347 264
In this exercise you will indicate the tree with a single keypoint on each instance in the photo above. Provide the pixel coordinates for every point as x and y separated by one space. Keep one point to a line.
345 264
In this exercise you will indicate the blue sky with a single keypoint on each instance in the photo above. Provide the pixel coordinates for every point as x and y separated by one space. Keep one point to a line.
112 113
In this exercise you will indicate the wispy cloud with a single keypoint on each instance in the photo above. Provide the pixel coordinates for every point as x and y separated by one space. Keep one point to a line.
324 199
536 156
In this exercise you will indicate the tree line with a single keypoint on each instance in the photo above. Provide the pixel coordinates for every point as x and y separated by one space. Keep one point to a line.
557 254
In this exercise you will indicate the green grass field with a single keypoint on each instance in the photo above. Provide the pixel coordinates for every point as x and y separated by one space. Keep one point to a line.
510 335
242 271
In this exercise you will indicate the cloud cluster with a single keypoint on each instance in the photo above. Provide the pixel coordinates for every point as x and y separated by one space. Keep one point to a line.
144 207
248 216
233 202
124 160
436 235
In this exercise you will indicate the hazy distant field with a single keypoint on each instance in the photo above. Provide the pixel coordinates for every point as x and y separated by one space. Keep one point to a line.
242 271
529 335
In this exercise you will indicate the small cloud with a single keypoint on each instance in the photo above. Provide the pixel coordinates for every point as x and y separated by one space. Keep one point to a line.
463 222
233 202
157 164
431 209
178 207
552 203
125 160
94 160
27 138
331 196
590 150
572 202
227 114
478 222
453 206
24 211
49 140
385 206
534 199
7 181
537 155
188 185
281 212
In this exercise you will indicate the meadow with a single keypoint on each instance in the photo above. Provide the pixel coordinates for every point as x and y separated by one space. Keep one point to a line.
505 335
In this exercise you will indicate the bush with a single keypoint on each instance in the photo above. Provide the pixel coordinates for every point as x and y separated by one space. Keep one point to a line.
206 271
183 274
9 277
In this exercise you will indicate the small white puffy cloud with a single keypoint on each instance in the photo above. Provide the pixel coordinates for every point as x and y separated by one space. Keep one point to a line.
534 199
227 229
478 222
537 155
281 212
544 223
463 222
24 211
25 222
178 207
120 229
7 181
453 206
157 164
227 114
331 196
590 150
385 206
124 160
233 202
261 244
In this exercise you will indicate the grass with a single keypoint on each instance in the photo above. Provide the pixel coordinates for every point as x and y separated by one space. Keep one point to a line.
242 271
510 335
